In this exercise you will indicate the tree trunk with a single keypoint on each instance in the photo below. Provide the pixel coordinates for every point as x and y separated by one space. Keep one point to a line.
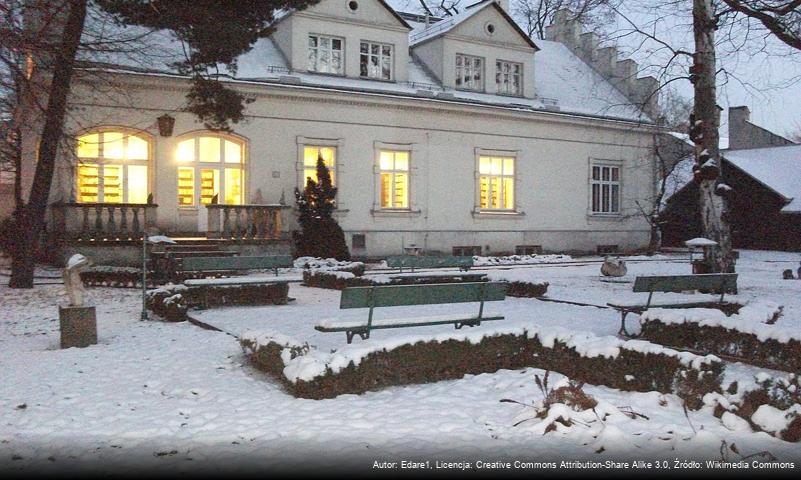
712 206
32 217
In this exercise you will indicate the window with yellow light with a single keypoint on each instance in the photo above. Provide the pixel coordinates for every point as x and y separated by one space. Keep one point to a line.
496 183
216 162
310 156
394 171
112 167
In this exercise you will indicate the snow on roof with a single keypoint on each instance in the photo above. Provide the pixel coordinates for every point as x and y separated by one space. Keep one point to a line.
700 242
562 81
778 168
420 35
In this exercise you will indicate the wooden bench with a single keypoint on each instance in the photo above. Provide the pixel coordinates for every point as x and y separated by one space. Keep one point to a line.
406 295
721 283
411 261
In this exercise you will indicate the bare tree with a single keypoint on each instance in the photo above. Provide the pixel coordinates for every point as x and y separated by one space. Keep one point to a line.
781 17
535 15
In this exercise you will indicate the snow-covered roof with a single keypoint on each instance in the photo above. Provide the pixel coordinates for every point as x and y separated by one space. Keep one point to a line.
562 82
700 242
778 168
423 33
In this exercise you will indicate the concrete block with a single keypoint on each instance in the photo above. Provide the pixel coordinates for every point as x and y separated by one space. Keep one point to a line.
78 326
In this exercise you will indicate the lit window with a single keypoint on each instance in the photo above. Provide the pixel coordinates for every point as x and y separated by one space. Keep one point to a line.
112 168
508 78
496 183
375 60
310 155
469 72
325 54
605 189
218 170
394 169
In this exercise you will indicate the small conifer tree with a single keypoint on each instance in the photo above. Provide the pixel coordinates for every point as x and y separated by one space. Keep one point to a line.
320 235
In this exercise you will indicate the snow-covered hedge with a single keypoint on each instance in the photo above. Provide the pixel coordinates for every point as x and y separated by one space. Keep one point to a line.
340 280
769 404
108 276
479 261
336 280
329 264
172 301
407 358
745 335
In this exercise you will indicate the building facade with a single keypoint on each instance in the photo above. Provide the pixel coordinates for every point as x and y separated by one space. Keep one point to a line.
457 135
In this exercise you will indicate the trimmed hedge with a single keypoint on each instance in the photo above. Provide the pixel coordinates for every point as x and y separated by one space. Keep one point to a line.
718 340
124 277
173 301
432 361
526 289
325 279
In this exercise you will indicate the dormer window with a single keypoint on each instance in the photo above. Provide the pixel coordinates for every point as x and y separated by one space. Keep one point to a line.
469 72
325 54
508 78
375 60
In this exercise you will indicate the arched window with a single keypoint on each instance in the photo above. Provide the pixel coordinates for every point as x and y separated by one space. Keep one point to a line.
210 170
112 167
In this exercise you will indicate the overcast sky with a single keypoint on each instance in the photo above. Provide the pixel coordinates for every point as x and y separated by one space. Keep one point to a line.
763 73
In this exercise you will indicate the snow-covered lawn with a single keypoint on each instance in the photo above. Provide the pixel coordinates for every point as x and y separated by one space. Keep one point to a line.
156 395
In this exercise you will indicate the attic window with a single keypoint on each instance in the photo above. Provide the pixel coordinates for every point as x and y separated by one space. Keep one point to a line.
353 5
489 28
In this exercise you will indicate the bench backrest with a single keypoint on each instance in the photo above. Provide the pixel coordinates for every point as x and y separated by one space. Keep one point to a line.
719 282
411 261
426 294
233 263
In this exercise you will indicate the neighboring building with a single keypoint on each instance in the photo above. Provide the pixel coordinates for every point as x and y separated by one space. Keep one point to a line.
764 170
457 135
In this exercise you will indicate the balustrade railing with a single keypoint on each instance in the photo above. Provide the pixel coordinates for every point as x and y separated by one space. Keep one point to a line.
102 221
245 222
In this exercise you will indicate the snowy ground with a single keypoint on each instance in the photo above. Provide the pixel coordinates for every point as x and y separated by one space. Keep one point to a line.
159 395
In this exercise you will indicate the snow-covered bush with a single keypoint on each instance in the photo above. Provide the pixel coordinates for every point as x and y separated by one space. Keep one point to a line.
109 276
479 261
748 335
329 264
771 404
173 301
633 365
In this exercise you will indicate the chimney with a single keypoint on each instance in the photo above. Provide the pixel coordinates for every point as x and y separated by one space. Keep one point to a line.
738 127
504 4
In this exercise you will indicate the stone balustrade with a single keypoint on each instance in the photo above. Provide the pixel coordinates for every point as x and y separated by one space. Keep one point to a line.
245 222
102 221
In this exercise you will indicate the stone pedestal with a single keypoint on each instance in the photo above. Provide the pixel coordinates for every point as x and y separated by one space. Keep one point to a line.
78 326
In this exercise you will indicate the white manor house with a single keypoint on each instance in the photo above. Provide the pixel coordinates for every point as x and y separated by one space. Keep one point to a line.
458 135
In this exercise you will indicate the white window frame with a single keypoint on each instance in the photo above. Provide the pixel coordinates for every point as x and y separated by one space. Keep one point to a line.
316 68
460 72
380 57
338 169
605 208
393 172
507 88
101 162
220 166
480 212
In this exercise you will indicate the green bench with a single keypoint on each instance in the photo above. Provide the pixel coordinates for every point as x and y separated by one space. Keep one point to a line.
407 295
412 262
223 265
718 283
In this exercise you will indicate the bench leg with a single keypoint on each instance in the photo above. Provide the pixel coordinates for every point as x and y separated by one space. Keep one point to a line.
365 334
622 330
474 323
